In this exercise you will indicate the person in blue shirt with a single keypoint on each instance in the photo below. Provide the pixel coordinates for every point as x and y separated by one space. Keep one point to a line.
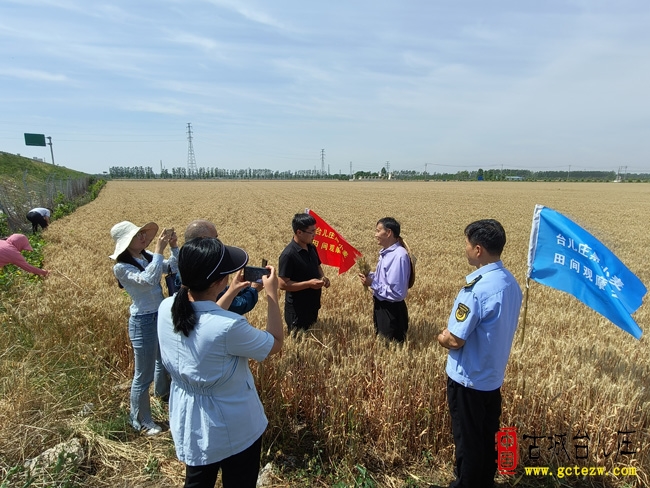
479 336
215 415
241 296
139 273
390 282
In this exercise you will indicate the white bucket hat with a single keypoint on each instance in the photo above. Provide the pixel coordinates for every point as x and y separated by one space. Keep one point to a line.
124 232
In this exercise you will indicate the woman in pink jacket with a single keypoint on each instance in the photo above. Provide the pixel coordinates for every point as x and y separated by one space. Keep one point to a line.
10 254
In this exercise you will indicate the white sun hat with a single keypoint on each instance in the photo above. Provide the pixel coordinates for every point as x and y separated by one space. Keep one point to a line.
124 232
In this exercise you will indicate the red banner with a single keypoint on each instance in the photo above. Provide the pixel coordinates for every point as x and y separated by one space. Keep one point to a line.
333 250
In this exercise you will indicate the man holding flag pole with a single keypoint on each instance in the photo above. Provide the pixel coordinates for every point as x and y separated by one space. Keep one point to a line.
300 272
301 275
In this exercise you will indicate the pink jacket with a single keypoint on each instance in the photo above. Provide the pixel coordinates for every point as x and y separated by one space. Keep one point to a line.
10 253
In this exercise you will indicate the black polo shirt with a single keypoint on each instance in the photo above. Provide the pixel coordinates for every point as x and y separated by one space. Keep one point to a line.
300 264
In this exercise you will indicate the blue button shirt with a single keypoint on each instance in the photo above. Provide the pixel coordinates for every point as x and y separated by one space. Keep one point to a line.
485 316
214 409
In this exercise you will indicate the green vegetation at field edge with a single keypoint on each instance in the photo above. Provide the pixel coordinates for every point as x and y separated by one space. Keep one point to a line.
14 167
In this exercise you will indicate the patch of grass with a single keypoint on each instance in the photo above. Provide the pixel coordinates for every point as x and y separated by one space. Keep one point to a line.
4 225
25 183
64 206
62 474
115 428
14 166
152 468
364 479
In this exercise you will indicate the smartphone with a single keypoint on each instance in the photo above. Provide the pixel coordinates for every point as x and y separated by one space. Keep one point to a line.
253 273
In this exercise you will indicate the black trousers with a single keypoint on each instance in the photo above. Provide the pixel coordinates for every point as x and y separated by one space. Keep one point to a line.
36 219
237 471
474 422
299 318
391 319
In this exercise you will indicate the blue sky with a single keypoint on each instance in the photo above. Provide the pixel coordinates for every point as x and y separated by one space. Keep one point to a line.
450 84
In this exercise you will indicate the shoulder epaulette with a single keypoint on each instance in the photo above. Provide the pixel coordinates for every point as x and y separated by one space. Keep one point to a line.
469 285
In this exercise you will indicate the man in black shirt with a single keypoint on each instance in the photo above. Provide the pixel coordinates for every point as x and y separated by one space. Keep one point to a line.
301 275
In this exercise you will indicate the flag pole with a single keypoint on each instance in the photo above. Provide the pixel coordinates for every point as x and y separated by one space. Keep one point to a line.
524 312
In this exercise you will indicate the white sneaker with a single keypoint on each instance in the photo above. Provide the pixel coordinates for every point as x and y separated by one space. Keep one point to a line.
151 429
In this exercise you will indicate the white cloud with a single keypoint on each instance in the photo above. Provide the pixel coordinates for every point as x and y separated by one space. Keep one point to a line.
251 13
32 75
171 107
192 40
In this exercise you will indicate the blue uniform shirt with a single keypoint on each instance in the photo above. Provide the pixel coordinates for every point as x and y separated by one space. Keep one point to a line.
485 316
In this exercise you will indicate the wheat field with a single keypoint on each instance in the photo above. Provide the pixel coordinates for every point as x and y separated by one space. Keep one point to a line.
337 397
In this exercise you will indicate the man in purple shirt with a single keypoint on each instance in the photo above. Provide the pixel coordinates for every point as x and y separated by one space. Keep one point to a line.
389 282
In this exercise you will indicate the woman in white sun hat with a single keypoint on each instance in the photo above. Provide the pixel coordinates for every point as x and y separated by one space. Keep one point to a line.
139 273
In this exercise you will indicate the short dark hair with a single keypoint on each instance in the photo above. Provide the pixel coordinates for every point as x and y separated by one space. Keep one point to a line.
301 221
487 233
390 224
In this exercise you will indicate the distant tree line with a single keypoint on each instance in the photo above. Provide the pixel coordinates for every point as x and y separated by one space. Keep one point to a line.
520 174
202 173
139 172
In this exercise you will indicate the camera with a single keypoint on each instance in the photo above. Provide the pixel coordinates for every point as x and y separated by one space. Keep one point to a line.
253 273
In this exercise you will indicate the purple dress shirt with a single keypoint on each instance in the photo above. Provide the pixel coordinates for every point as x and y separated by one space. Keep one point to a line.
391 278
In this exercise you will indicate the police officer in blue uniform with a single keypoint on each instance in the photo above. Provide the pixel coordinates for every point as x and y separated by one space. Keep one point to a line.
479 337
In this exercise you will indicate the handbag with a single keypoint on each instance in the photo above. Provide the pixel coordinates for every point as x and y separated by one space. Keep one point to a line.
170 281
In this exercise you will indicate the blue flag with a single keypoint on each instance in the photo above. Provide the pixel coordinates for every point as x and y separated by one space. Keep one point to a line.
564 256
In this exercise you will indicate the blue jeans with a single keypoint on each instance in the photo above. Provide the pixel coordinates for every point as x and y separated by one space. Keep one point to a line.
143 333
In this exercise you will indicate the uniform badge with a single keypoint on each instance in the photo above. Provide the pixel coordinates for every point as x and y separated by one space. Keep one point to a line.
462 312
469 285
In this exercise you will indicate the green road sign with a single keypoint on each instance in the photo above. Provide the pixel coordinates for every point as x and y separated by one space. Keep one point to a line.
34 139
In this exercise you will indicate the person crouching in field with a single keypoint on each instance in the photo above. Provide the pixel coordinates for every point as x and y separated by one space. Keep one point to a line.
215 414
39 216
390 282
479 336
139 273
10 249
